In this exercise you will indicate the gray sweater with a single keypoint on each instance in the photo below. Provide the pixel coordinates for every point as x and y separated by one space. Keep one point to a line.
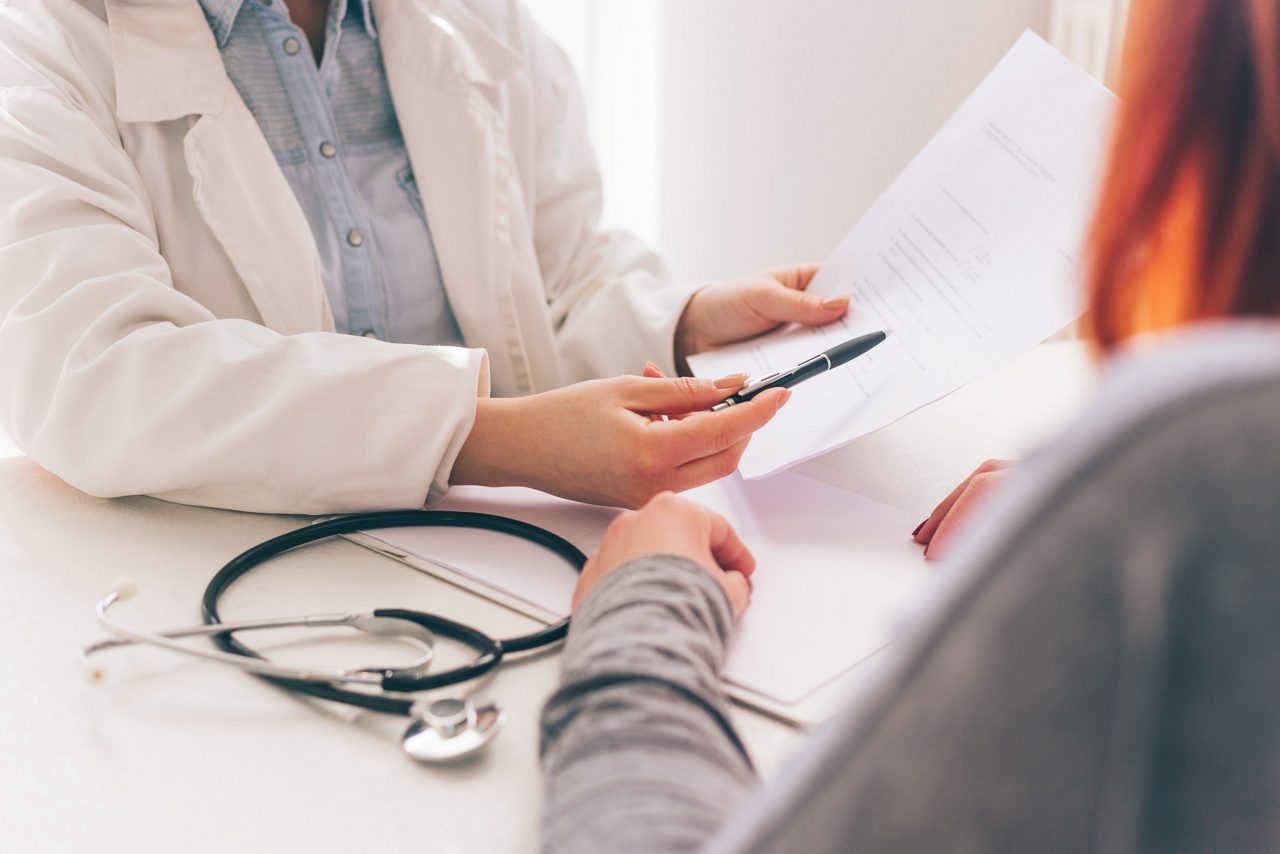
1102 674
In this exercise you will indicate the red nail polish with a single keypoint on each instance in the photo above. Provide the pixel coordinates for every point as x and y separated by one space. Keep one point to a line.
918 527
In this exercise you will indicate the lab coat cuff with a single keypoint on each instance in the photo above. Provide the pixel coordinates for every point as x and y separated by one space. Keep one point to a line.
478 366
674 300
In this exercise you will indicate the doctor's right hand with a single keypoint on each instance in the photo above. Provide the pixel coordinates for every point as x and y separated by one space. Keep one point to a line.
599 441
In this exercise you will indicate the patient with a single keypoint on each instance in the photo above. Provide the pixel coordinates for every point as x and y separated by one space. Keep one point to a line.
1101 672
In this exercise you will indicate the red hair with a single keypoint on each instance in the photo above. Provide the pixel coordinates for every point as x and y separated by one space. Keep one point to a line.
1188 223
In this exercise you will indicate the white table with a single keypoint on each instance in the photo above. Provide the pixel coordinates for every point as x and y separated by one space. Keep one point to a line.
174 755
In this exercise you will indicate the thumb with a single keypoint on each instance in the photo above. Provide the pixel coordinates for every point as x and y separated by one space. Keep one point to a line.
735 584
784 305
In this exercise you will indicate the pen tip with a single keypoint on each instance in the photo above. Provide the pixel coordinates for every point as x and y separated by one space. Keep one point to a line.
888 332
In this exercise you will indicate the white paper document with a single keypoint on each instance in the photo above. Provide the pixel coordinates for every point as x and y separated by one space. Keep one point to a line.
835 570
969 258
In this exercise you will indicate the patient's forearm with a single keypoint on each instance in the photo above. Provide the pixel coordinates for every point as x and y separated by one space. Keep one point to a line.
637 746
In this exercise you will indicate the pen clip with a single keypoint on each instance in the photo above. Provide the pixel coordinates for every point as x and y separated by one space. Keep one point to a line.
762 381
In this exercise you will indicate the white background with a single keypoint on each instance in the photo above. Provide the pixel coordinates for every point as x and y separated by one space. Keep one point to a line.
738 134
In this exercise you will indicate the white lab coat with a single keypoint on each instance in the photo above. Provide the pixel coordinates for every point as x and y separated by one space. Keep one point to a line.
163 325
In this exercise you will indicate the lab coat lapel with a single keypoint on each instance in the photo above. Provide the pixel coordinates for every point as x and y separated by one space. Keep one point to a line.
168 68
250 207
443 66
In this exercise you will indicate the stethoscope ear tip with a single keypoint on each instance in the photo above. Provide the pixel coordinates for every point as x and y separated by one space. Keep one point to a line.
124 588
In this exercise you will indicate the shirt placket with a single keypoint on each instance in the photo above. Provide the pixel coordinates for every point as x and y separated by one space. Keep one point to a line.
362 284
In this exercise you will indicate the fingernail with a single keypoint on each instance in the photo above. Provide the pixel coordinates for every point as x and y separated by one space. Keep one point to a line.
731 381
650 366
918 527
784 397
835 302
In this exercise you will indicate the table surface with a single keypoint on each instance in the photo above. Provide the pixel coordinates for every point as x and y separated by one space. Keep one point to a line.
172 754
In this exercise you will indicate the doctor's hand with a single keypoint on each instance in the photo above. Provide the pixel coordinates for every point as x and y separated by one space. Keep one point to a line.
671 525
727 312
601 442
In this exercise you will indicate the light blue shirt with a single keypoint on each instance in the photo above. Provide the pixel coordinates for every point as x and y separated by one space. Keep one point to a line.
334 132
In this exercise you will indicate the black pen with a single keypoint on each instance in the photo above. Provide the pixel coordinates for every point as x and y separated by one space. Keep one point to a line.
826 361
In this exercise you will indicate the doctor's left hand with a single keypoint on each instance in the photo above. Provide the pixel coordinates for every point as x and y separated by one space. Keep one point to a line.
727 312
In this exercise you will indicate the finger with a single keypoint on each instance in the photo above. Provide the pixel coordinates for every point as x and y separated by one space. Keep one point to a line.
727 547
796 278
680 394
711 468
652 371
739 591
786 305
973 497
925 532
708 433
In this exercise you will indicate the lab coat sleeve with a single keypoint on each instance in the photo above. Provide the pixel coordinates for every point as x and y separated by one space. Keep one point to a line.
611 300
121 385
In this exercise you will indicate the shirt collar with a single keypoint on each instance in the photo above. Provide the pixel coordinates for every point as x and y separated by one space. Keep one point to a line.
222 16
370 25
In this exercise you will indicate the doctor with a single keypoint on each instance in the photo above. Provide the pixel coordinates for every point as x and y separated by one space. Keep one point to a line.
276 255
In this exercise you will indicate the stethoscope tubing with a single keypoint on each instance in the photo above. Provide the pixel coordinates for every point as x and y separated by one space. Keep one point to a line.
491 652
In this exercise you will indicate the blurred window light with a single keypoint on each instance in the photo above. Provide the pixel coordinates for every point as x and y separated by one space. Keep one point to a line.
616 49
1090 32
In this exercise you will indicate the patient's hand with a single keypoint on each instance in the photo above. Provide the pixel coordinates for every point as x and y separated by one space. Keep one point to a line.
939 531
672 525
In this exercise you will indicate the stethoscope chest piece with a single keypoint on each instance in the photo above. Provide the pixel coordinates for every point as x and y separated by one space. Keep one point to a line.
451 729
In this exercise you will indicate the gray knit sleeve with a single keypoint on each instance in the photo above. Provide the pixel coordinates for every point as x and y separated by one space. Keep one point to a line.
637 748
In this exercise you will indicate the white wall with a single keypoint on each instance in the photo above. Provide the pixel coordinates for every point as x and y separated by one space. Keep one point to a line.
784 119
616 48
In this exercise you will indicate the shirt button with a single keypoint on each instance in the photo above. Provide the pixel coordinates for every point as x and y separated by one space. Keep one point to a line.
292 46
371 334
328 149
355 237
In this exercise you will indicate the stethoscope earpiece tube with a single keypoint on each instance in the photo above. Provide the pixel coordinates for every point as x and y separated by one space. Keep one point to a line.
489 651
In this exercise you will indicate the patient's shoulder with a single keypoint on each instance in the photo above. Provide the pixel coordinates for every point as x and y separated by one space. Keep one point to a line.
1190 420
1176 380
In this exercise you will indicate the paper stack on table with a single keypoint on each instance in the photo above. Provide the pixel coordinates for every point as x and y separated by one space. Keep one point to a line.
835 570
970 258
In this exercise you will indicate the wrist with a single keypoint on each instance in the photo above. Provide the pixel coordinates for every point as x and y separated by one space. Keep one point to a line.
491 455
685 343
662 592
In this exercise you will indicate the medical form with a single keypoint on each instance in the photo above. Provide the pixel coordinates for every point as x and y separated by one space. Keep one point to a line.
970 258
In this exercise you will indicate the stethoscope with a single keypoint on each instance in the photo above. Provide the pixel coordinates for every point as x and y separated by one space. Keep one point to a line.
441 730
